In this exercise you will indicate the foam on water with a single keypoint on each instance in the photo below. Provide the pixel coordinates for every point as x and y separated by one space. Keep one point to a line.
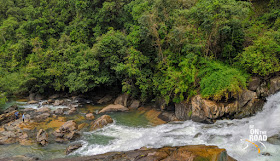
39 105
228 134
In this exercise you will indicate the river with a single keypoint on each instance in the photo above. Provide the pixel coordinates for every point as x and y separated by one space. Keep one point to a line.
132 131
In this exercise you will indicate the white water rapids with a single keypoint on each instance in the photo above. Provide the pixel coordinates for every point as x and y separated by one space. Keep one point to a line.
228 134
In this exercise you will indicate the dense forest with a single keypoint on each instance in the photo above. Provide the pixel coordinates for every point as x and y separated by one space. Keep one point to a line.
171 49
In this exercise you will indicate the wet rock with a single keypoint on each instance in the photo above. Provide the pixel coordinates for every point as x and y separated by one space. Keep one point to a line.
72 148
32 102
105 99
183 111
68 131
122 100
42 137
58 102
135 104
266 154
89 116
254 83
101 122
113 108
183 153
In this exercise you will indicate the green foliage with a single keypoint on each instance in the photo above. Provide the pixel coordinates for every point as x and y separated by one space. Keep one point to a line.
147 48
220 81
3 99
262 57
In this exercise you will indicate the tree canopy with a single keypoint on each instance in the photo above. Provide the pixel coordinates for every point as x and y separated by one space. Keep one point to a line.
171 49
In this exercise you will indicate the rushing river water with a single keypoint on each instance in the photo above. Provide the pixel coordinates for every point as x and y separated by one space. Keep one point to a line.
132 131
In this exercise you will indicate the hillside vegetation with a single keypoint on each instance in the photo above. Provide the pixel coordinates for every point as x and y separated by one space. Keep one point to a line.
171 49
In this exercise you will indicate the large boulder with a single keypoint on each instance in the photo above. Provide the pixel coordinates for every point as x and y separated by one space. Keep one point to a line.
101 122
42 137
122 100
113 108
183 111
68 131
72 148
205 110
179 153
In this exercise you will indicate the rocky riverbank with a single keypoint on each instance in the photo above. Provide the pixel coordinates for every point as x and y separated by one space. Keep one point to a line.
183 153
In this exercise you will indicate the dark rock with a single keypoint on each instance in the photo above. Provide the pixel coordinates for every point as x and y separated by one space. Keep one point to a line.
42 137
105 99
101 122
254 83
183 111
72 148
122 100
160 104
113 108
266 154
